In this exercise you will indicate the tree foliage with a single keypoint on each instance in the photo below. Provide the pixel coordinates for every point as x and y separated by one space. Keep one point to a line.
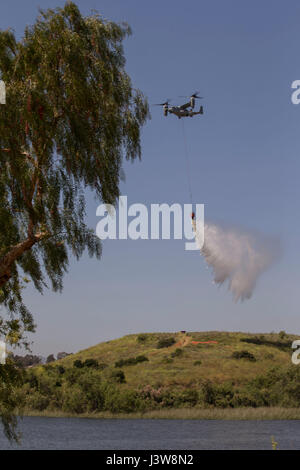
11 378
88 389
70 118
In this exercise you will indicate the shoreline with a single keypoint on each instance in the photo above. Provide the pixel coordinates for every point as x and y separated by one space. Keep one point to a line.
263 413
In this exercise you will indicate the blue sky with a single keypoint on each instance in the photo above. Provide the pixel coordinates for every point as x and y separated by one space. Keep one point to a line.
244 157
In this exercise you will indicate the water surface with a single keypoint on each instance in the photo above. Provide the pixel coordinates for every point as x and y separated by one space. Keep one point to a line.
122 434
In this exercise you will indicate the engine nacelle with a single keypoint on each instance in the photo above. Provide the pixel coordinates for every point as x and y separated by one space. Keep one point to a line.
192 102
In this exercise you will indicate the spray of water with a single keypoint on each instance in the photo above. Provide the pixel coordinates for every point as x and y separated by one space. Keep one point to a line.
237 257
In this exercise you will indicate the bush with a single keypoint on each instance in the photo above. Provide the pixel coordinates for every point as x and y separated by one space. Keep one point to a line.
131 361
165 342
91 363
142 338
217 395
243 355
208 393
282 343
71 375
74 400
37 401
91 385
141 359
87 363
125 401
177 353
78 363
197 363
118 376
187 398
50 358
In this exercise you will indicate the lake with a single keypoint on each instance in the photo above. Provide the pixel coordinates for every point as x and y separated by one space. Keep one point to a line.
122 434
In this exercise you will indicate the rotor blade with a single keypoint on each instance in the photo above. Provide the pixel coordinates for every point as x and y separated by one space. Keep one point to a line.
194 95
162 104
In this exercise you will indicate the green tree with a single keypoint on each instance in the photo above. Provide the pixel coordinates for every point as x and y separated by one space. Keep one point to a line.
11 378
71 117
50 358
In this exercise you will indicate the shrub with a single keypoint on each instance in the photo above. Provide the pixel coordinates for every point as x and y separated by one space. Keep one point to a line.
165 342
91 363
243 355
142 338
37 401
125 401
131 361
72 374
177 353
141 359
87 363
261 340
74 400
208 393
78 363
118 376
217 395
187 397
197 363
92 387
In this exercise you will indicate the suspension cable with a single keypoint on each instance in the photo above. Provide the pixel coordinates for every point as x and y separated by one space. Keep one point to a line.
187 160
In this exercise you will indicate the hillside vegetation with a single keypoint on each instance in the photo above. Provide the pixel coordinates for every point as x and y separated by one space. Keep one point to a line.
144 372
217 363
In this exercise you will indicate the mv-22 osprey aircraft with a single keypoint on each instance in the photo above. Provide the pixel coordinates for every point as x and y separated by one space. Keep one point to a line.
182 111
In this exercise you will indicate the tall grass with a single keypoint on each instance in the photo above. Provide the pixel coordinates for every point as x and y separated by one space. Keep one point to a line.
263 413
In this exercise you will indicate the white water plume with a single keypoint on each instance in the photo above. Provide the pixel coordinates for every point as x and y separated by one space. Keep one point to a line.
238 257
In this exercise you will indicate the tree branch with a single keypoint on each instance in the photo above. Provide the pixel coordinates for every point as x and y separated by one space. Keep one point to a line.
16 252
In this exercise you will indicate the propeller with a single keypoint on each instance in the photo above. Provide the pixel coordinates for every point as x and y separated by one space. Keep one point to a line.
166 103
194 95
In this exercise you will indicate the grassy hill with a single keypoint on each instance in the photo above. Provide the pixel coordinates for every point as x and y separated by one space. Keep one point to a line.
167 368
189 373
